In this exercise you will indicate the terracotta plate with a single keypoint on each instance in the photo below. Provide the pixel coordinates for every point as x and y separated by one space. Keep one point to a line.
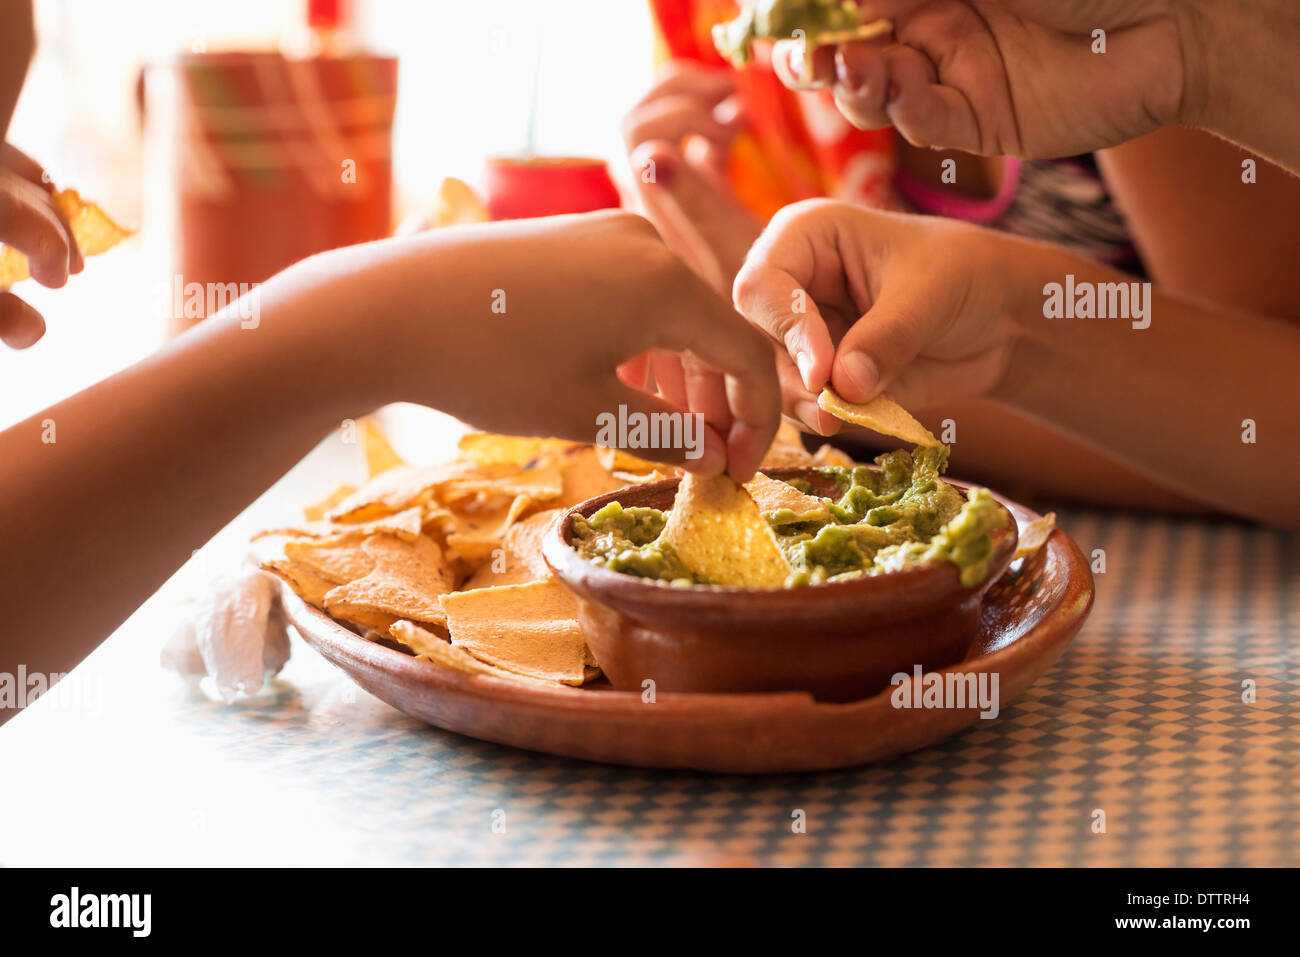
1029 618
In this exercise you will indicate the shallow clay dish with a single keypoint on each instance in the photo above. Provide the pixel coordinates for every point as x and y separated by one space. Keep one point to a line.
841 641
1028 619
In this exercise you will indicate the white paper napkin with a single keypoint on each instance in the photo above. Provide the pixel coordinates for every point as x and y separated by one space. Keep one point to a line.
233 631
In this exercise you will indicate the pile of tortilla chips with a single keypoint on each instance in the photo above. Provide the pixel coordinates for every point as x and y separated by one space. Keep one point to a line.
445 561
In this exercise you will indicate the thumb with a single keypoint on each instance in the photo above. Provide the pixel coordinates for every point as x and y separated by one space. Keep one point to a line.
699 219
774 301
878 347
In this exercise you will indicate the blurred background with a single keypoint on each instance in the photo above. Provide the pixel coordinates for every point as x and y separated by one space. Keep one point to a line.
162 112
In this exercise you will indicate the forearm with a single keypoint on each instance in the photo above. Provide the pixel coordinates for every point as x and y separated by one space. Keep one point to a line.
104 495
17 43
1171 399
1250 83
1232 244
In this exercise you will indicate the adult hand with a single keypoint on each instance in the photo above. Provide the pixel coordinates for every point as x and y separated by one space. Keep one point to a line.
1023 78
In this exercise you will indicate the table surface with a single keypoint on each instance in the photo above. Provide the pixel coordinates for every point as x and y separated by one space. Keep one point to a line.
1143 719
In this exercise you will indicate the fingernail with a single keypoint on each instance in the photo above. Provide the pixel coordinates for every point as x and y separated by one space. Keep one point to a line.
862 372
805 364
848 77
651 164
711 462
807 413
794 57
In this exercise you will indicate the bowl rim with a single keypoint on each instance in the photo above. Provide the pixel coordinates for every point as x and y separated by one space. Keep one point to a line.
567 564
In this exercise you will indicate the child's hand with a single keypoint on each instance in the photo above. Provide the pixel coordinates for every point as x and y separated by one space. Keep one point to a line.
867 300
677 139
1018 77
30 224
538 327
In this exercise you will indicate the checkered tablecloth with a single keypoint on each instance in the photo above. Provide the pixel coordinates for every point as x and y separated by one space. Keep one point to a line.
1142 721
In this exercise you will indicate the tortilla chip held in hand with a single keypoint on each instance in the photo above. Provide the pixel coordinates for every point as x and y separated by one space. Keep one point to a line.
718 533
91 227
882 414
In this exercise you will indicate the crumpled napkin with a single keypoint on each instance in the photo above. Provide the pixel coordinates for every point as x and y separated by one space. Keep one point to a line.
234 631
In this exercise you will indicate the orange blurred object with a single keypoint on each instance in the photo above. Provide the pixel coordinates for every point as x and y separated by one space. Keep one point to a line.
547 186
275 159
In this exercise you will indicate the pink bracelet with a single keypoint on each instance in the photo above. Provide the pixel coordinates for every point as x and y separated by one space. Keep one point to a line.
928 198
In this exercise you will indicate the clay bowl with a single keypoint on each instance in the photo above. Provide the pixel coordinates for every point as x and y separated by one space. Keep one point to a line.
840 641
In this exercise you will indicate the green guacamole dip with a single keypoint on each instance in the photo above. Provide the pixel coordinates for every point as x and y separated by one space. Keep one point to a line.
777 20
880 521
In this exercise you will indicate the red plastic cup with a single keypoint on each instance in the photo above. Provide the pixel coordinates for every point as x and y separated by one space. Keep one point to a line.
547 186
272 159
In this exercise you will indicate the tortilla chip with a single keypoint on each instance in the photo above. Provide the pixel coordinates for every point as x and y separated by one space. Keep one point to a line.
541 484
1034 535
585 477
368 619
735 43
405 581
472 533
830 455
863 31
380 456
773 495
719 534
405 525
457 204
420 639
438 650
305 583
396 490
528 629
316 513
442 652
786 450
882 414
339 560
520 560
616 460
488 449
436 515
641 478
826 38
91 227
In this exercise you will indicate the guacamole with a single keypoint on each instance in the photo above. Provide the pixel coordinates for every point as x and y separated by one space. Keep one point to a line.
879 521
778 19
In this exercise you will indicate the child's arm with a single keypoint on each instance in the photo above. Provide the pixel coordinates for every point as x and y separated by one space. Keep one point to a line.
1202 231
107 493
1030 78
939 312
17 44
